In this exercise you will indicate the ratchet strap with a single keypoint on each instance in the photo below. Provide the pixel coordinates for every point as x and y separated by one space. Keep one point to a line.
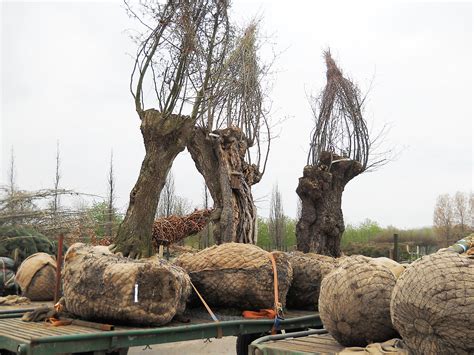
277 312
261 314
278 307
211 313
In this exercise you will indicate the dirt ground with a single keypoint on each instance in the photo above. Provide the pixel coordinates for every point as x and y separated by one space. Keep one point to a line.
199 347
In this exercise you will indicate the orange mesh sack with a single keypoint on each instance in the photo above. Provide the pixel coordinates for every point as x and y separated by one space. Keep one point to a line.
102 286
238 275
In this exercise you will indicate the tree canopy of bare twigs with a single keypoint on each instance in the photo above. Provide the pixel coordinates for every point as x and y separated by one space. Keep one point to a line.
23 209
182 48
340 126
238 97
231 141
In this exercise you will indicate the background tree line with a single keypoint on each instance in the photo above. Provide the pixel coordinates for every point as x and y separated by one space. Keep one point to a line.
453 216
48 212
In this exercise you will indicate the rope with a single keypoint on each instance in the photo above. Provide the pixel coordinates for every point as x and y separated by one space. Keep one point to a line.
211 313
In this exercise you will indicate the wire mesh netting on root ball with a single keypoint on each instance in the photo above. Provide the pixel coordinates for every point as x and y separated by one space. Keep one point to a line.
433 304
354 302
308 272
238 275
102 286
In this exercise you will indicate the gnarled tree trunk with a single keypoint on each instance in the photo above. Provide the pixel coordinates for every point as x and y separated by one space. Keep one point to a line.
321 225
164 138
229 179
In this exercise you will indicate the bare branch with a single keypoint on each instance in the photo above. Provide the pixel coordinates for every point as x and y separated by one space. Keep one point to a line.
340 126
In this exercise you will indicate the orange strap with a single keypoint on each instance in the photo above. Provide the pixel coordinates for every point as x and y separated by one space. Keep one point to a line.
57 322
211 313
263 313
275 281
278 307
275 313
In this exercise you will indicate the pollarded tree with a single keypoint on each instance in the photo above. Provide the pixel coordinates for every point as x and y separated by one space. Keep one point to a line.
179 58
340 150
231 141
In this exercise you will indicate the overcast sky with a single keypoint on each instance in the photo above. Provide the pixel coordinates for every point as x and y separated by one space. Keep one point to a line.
65 70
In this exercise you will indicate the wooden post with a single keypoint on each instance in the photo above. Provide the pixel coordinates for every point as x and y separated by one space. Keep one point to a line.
59 262
395 247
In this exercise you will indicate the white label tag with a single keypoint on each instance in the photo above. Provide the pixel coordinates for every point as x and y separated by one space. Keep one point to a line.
135 299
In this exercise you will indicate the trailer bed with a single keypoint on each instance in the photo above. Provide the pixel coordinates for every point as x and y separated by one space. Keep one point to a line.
42 338
311 344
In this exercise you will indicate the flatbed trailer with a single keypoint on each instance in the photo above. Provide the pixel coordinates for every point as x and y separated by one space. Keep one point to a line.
312 342
38 338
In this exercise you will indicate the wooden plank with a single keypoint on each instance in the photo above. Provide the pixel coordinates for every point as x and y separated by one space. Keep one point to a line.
33 304
320 346
309 344
289 346
27 330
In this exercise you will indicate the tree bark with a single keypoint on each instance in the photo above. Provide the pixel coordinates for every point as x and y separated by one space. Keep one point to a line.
321 224
221 161
164 138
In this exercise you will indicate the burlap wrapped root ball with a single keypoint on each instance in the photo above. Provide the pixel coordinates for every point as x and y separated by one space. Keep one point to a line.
354 302
238 275
36 277
433 304
308 272
102 286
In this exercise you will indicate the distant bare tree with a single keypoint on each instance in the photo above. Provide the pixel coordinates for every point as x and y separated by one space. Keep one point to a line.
182 206
443 218
276 222
461 211
298 209
341 148
29 213
110 197
57 177
11 183
12 173
230 144
180 57
167 203
205 197
471 210
205 237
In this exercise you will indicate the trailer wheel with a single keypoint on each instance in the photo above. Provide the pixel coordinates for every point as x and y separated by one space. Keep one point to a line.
243 342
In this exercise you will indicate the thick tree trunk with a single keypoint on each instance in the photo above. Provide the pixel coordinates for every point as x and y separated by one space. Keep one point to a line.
164 138
229 178
321 225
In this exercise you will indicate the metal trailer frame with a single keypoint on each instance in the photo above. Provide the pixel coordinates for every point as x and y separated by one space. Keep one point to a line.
36 341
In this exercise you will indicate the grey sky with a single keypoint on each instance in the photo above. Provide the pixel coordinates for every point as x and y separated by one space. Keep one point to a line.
65 75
